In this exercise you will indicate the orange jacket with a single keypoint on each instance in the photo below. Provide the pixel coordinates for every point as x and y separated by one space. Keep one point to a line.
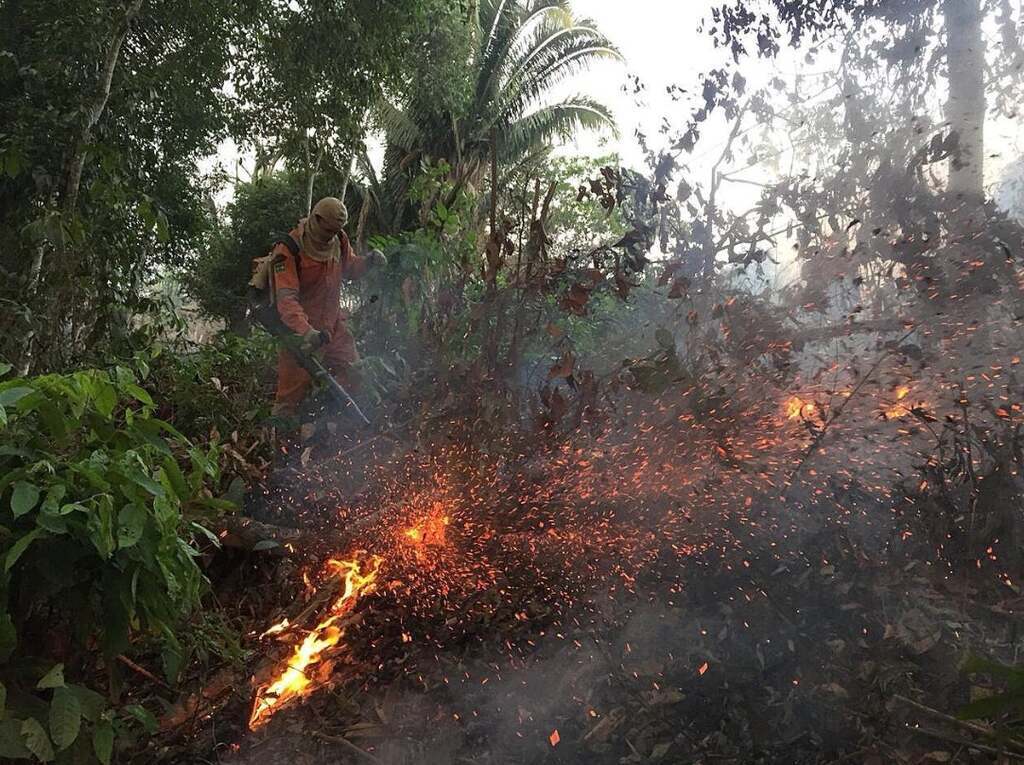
309 296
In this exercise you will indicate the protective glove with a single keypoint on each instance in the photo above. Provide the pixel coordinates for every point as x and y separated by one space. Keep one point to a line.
377 259
313 340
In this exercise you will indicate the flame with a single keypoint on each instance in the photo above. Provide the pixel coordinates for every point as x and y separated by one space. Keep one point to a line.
430 531
899 408
281 626
796 407
293 680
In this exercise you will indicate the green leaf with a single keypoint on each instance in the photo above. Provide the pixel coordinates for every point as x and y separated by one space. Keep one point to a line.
147 483
3 700
5 368
65 718
139 394
141 714
101 527
56 524
52 679
10 396
265 544
8 637
199 528
105 398
12 745
36 740
92 704
25 497
103 742
664 338
131 522
992 707
19 547
175 478
171 656
53 498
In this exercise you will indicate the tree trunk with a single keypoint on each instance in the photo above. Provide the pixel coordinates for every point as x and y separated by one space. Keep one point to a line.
75 165
314 170
93 112
965 109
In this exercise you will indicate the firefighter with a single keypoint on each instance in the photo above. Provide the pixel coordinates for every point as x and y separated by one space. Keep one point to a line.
308 290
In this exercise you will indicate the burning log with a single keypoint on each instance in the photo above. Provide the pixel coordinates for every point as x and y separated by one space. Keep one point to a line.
242 533
293 679
248 534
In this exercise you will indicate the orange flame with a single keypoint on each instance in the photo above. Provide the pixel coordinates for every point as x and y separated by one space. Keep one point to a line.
899 408
796 407
432 530
293 681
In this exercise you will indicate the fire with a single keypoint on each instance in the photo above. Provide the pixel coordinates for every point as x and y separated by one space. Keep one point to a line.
293 680
899 407
432 530
795 407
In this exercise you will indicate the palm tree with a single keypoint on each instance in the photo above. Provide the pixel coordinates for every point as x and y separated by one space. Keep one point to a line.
520 51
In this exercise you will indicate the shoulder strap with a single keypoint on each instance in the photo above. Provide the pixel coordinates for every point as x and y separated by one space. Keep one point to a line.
289 241
294 248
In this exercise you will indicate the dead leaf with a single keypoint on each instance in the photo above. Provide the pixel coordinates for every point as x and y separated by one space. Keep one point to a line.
836 690
554 330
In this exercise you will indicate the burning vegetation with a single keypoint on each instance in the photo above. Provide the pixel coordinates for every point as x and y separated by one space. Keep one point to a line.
708 452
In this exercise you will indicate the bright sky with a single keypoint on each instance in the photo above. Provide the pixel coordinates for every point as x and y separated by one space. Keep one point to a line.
661 45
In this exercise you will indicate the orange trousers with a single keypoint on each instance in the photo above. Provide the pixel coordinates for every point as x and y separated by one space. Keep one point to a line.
340 354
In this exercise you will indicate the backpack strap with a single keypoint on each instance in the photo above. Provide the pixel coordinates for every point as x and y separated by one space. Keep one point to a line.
294 248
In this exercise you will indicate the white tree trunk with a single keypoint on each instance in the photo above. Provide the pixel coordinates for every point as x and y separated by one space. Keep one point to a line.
965 109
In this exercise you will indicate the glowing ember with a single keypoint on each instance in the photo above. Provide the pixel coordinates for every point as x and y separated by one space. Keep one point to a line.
795 407
900 407
293 680
432 530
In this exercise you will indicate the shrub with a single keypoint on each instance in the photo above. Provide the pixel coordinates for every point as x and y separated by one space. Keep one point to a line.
97 522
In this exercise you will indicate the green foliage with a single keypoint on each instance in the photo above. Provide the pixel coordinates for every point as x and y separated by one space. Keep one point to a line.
261 211
218 388
141 203
1010 701
521 52
96 517
306 83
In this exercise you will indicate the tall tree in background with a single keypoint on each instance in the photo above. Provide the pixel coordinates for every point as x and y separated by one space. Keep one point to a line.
522 50
108 108
307 82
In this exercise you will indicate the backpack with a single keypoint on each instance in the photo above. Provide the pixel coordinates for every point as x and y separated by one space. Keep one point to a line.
262 289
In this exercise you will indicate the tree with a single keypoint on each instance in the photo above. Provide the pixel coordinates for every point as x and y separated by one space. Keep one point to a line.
521 50
108 108
307 82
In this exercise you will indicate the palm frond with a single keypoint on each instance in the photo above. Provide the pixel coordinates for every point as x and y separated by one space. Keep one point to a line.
401 128
494 59
561 120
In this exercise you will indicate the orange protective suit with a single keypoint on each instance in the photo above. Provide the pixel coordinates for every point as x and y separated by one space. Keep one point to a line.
308 297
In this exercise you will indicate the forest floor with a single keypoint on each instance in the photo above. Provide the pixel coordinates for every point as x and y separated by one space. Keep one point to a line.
583 636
